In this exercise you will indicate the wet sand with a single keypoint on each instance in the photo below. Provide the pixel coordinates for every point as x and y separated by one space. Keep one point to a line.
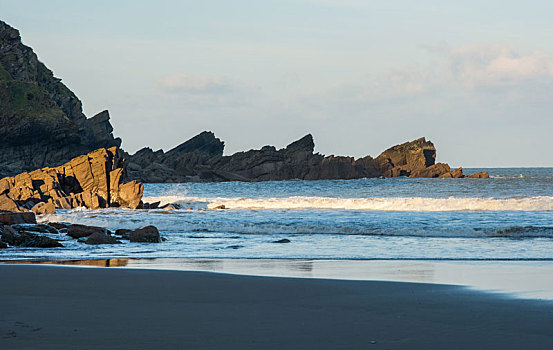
50 307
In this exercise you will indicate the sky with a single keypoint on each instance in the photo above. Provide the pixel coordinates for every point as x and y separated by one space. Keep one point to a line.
474 77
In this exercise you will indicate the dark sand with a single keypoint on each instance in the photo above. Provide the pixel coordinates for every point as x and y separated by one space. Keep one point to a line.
48 307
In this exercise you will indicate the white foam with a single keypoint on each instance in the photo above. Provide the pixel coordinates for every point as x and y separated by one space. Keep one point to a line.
539 203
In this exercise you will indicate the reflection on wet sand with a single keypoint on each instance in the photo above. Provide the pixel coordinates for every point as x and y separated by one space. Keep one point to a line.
519 278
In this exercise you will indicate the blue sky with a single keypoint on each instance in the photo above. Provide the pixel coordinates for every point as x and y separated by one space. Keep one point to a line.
474 77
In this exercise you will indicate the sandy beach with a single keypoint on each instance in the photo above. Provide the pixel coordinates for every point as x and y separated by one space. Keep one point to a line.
50 307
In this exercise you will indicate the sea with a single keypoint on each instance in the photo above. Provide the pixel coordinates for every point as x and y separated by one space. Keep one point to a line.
508 217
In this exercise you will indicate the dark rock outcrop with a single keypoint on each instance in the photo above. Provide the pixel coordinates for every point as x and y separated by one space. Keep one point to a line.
41 120
148 234
22 238
79 231
94 180
11 218
201 160
101 238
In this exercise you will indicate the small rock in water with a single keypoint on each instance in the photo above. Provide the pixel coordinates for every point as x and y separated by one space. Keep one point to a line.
222 206
171 206
80 231
27 239
3 245
101 238
284 240
148 234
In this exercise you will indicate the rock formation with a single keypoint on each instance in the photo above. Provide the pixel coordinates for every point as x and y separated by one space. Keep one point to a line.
201 159
94 180
41 120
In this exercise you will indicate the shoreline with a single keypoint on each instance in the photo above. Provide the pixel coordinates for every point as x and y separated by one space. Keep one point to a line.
49 307
513 278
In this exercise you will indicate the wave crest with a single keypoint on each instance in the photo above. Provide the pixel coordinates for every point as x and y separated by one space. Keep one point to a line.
539 203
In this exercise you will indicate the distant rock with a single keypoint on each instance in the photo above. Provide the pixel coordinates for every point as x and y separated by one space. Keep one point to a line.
201 160
94 180
284 240
148 234
479 175
415 159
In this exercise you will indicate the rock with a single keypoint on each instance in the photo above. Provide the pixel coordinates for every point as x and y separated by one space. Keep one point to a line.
97 238
154 205
172 206
148 234
187 163
41 228
479 175
454 174
41 120
10 218
222 206
44 208
435 170
26 239
284 240
94 180
79 231
410 157
3 245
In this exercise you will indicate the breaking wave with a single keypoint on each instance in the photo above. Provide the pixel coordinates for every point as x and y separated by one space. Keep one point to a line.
539 203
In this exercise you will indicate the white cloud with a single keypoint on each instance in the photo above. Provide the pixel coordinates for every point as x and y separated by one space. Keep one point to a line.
495 65
195 85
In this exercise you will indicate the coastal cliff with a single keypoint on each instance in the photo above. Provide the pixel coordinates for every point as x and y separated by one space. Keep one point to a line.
41 120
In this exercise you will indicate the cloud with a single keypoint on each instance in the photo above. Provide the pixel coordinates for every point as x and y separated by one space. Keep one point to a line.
495 65
195 85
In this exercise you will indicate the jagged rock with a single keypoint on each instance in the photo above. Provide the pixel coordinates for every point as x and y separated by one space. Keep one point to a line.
454 174
94 180
201 160
41 120
148 234
10 218
6 203
407 158
435 170
27 239
101 238
479 175
79 231
44 208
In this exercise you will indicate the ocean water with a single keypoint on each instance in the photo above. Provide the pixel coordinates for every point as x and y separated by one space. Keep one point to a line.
506 217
